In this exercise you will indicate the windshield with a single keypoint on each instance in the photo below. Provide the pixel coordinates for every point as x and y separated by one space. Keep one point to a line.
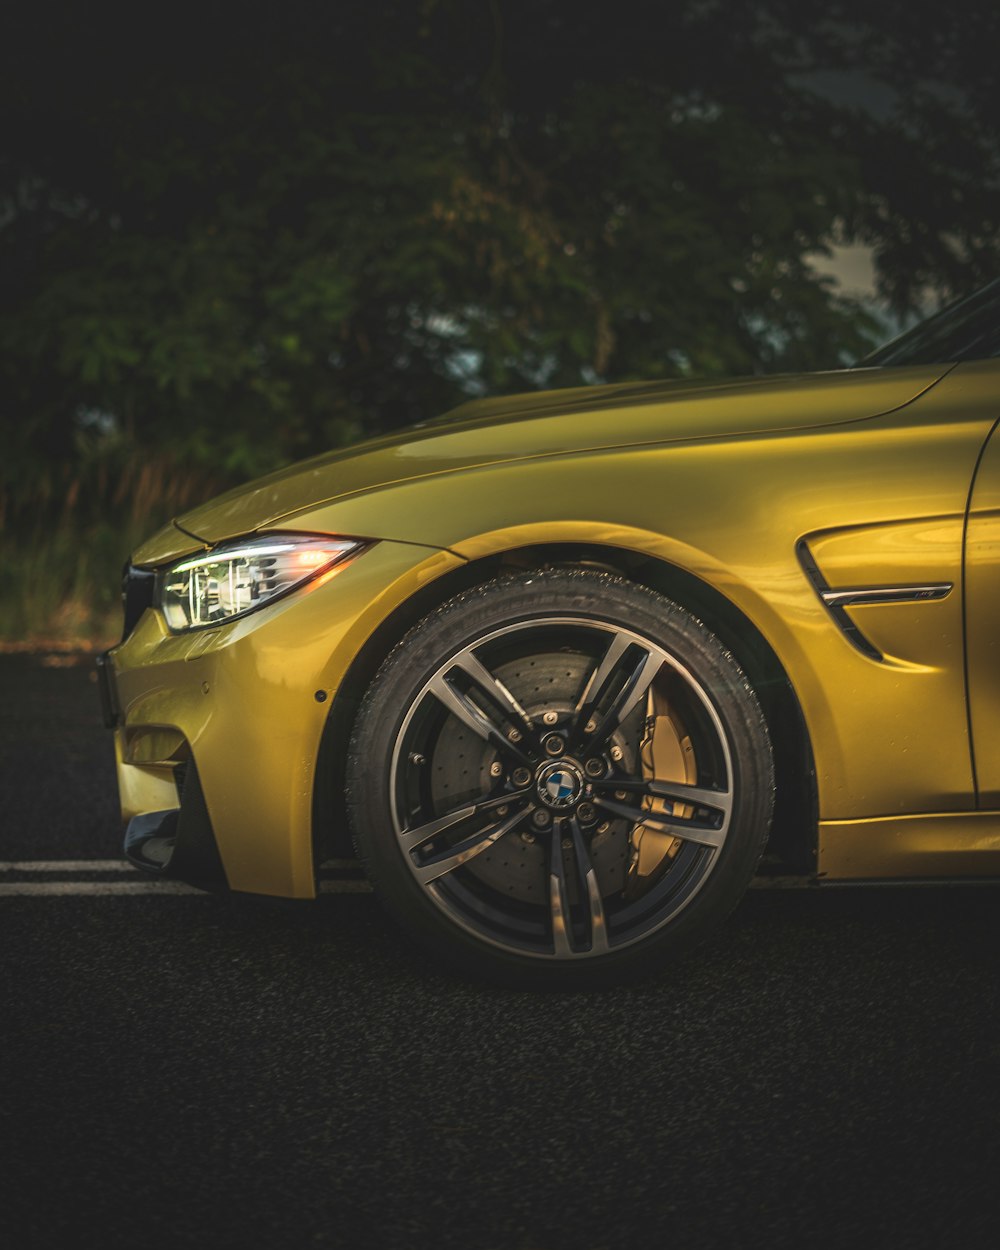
969 329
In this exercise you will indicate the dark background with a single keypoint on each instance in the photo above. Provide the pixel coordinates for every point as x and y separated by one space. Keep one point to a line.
234 236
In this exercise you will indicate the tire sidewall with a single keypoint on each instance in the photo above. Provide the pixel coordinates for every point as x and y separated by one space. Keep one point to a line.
591 597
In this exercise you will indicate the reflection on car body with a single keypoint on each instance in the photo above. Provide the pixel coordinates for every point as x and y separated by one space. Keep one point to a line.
567 663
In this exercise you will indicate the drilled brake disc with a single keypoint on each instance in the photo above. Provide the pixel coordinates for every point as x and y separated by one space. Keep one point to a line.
460 771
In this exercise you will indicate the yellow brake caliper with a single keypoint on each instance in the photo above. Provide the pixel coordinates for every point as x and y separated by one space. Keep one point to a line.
666 754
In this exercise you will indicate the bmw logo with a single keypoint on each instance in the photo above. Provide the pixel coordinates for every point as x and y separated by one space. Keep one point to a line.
559 784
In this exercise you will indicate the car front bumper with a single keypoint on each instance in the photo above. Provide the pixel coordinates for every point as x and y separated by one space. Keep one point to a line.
218 731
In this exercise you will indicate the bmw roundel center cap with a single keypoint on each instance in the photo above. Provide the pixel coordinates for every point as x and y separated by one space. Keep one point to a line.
560 784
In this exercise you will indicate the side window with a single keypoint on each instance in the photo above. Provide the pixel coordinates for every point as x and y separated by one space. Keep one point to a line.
967 330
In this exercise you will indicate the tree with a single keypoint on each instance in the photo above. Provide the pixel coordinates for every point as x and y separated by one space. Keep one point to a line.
246 243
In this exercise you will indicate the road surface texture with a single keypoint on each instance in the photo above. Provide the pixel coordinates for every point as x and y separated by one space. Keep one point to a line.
181 1073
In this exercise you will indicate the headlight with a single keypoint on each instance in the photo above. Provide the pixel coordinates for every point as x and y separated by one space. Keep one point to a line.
239 577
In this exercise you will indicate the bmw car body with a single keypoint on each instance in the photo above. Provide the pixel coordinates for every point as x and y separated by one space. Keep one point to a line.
838 532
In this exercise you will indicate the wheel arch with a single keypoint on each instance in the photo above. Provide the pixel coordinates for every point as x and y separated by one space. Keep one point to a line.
792 847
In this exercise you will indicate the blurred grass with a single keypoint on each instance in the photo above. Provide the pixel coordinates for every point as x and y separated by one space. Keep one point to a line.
67 528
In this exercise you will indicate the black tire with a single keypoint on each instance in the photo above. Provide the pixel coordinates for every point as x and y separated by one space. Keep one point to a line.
560 778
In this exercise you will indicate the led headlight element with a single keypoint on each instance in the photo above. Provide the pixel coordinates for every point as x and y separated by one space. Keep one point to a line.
238 577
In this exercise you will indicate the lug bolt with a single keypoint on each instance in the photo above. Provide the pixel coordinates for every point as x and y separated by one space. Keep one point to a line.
550 718
541 819
554 745
604 826
514 735
616 753
527 837
520 776
586 813
567 844
503 809
496 768
594 768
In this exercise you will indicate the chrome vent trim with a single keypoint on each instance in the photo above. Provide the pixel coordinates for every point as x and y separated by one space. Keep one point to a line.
836 601
885 594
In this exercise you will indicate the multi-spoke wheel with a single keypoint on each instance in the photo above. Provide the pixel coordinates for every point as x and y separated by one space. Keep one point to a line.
559 775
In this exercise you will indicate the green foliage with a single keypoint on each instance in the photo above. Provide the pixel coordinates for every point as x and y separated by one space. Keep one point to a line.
65 530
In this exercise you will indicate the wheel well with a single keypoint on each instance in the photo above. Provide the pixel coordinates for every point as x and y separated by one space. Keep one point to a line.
791 847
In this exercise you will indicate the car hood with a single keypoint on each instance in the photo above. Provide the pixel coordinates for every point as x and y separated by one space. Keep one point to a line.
553 423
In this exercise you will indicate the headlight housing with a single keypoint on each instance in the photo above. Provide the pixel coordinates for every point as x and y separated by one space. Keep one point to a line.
240 576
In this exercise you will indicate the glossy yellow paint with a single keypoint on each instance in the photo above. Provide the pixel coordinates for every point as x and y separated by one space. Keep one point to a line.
146 787
556 423
158 745
899 551
950 844
731 512
166 546
871 468
924 634
243 697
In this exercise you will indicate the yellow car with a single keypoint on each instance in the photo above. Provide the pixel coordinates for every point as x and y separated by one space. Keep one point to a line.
567 663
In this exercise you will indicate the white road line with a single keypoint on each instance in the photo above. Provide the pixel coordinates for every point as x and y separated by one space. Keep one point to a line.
66 865
139 883
99 889
119 865
96 887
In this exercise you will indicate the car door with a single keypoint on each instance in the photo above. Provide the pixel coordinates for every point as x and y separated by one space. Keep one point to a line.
982 595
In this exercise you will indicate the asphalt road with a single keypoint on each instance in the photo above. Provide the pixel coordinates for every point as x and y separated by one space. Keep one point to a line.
179 1073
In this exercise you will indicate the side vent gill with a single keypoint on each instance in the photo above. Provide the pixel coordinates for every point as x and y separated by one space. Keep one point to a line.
837 601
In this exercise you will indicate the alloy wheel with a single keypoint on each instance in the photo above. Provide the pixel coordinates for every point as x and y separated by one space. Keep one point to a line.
561 787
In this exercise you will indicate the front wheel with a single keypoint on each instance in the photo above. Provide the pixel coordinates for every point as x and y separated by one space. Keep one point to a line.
560 777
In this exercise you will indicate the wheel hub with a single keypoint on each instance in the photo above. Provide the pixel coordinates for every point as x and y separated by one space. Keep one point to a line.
560 784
